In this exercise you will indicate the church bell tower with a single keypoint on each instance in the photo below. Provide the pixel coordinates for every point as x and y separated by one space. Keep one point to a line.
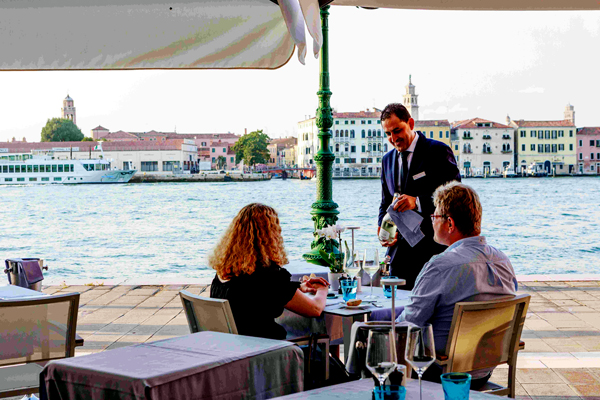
68 110
410 100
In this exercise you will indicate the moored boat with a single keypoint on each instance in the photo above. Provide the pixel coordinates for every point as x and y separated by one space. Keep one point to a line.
27 169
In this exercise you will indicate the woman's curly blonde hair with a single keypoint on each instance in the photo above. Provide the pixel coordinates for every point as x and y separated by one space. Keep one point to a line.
252 239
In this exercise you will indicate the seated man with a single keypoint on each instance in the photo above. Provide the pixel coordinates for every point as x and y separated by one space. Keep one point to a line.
468 270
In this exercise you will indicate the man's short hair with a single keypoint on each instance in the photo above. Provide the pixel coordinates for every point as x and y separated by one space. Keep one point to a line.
460 202
396 109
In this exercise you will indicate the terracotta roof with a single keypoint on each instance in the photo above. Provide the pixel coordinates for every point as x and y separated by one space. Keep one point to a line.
527 124
360 114
120 135
100 127
589 131
432 122
472 124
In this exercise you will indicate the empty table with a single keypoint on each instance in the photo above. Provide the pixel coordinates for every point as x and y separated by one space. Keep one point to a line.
198 366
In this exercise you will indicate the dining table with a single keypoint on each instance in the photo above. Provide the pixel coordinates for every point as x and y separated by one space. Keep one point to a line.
337 319
363 389
199 365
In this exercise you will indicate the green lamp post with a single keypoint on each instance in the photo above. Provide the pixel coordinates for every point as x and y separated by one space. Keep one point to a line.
324 210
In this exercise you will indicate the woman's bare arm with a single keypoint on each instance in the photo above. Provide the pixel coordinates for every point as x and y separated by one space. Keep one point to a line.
308 306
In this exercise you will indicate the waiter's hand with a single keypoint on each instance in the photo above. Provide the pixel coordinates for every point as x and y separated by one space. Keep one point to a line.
388 244
405 202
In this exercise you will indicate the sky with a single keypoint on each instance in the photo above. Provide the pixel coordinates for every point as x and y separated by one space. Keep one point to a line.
464 64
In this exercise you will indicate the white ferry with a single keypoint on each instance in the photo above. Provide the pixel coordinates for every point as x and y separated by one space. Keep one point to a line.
27 169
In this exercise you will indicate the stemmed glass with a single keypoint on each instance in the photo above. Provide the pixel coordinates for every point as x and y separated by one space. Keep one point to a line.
371 269
381 354
420 350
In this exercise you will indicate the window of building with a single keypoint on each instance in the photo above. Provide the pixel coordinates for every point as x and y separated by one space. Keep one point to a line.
561 134
597 143
561 147
353 149
362 122
352 122
213 149
213 159
149 166
456 147
23 179
581 156
369 122
571 146
533 147
224 150
532 134
522 134
554 148
547 149
441 135
363 133
346 122
337 160
32 179
591 156
430 134
522 147
48 168
363 148
554 135
580 142
378 121
540 148
385 148
352 134
337 122
571 133
337 147
369 133
591 143
447 134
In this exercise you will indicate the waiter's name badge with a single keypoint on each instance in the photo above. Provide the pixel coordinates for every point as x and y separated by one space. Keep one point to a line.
419 175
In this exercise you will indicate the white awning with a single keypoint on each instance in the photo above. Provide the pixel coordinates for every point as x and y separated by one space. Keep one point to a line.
190 34
491 5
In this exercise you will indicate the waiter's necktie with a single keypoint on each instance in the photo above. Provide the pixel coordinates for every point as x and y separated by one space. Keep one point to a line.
404 174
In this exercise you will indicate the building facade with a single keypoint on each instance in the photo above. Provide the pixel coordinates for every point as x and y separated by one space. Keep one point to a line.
588 150
484 147
549 146
307 143
435 129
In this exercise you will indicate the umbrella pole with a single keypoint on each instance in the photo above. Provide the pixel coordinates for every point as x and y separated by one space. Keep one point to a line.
324 210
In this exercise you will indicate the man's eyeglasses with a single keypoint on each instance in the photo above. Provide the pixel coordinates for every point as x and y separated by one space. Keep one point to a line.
434 216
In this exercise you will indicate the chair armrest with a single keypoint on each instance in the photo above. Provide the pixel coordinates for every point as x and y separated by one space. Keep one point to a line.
78 340
441 359
303 340
521 345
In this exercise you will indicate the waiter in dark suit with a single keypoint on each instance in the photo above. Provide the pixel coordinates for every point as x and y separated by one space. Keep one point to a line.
414 168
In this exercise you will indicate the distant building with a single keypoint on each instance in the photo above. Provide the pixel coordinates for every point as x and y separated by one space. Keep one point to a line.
210 145
410 100
438 129
588 150
277 149
307 142
547 145
68 110
484 146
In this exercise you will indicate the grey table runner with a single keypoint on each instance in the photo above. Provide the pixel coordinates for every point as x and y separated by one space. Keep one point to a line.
204 365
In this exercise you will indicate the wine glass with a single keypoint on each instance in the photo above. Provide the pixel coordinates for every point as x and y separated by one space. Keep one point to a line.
420 350
381 354
371 269
353 269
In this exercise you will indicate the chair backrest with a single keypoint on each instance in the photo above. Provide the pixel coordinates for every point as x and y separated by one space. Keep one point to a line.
206 314
38 329
485 333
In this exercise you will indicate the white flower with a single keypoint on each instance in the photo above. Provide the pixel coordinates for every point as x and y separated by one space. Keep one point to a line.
339 228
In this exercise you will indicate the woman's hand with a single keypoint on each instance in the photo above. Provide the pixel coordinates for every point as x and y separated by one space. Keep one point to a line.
312 285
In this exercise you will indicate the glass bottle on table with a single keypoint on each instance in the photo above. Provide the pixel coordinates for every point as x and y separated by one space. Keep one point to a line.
388 229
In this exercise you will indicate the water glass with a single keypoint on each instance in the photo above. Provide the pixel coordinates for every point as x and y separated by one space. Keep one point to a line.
389 392
349 287
387 289
456 385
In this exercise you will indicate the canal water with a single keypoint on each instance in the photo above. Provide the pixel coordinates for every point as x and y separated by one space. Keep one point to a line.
165 230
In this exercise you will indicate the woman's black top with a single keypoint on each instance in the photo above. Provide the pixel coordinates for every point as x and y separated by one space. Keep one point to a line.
257 299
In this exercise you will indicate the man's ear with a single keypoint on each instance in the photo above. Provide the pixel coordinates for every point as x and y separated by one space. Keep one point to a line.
451 225
411 123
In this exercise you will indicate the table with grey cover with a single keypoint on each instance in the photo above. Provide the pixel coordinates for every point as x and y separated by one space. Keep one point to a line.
204 365
363 389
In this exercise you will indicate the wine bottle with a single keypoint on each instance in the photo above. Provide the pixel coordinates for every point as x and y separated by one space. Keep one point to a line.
387 233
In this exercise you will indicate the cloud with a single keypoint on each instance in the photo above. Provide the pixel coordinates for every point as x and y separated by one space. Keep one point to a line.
532 89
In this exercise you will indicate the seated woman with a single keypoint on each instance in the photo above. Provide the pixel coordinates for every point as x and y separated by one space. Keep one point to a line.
248 262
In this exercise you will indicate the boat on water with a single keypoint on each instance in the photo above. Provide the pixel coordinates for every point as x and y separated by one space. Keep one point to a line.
509 173
28 169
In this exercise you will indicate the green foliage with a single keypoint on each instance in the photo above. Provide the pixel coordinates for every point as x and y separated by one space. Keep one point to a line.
61 130
221 161
252 148
87 139
335 261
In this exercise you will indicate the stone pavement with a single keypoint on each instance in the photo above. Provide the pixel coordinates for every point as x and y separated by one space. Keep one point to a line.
562 330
